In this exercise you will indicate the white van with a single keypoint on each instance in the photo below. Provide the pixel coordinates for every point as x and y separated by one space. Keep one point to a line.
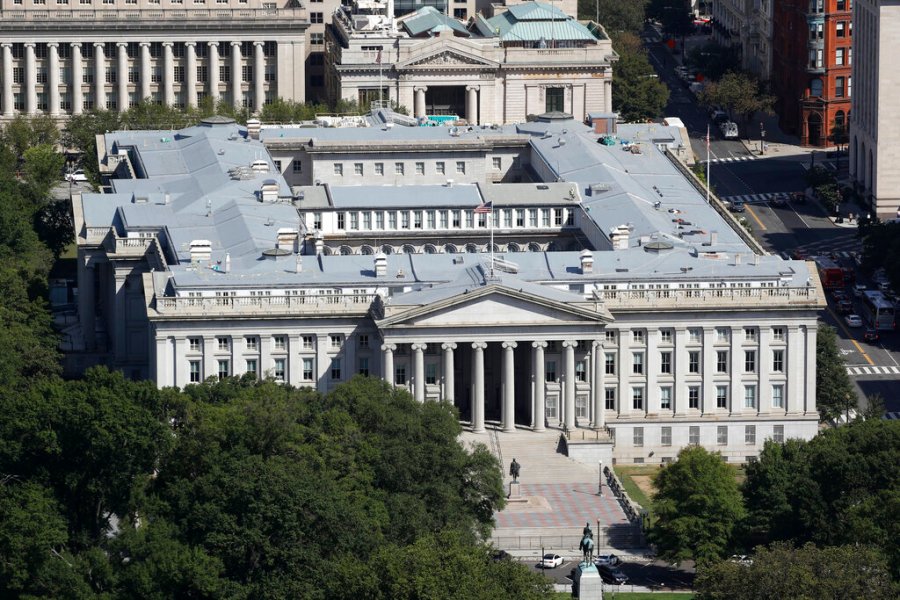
729 130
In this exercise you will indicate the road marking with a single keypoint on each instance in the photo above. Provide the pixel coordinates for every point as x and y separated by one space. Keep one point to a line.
802 220
755 218
846 331
873 370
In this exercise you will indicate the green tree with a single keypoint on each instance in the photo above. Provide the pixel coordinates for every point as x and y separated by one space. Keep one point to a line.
738 93
80 135
835 394
713 60
24 132
613 15
697 506
42 166
769 493
638 95
806 572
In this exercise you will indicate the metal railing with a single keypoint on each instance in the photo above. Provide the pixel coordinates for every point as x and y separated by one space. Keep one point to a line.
705 298
345 304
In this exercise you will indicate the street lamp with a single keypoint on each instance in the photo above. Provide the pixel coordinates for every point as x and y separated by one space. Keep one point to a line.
600 480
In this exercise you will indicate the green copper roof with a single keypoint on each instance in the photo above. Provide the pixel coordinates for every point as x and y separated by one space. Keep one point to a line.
429 19
535 21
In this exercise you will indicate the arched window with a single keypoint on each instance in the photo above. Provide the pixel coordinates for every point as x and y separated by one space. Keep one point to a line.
430 249
471 248
534 247
346 250
409 249
367 250
387 249
450 249
513 247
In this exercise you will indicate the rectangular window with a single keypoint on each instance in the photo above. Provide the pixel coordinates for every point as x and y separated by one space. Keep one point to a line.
316 17
280 369
335 369
307 369
440 168
721 361
307 342
317 39
840 29
665 362
358 169
665 436
252 368
580 371
581 406
750 361
722 435
839 87
637 335
638 436
750 334
194 368
637 398
721 396
750 435
778 334
610 397
610 363
224 369
778 361
496 162
461 167
694 361
404 219
694 397
550 371
839 55
420 168
431 374
363 366
694 335
398 168
400 376
637 365
778 396
339 169
609 336
665 398
665 336
194 344
778 434
520 217
721 334
694 435
223 343
297 166
379 168
749 396
336 340
280 342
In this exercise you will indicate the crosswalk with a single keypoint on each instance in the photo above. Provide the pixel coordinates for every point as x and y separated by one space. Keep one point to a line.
750 198
873 370
729 159
892 416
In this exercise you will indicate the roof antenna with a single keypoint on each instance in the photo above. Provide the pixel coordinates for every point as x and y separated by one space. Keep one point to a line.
208 206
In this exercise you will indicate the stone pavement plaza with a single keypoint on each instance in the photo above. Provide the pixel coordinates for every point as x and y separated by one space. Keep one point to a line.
561 496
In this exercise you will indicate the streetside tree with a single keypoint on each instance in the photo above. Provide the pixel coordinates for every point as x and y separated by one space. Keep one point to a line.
615 16
783 571
835 395
638 95
697 507
739 93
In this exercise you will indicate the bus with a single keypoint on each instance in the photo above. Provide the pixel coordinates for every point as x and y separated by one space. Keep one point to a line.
831 273
878 310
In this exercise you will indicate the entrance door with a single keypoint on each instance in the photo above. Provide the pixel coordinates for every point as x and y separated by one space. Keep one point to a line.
445 100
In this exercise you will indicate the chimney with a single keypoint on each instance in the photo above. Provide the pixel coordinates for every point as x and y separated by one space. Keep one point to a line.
269 191
713 238
619 237
320 243
380 264
587 262
228 262
253 128
201 250
298 265
737 259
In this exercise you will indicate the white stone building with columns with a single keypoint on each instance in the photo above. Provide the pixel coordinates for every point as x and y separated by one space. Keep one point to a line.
527 59
601 294
63 59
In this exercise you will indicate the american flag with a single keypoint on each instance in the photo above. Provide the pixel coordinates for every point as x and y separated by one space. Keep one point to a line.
484 208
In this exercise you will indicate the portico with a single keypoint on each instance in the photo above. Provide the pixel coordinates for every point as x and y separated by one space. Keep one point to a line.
484 347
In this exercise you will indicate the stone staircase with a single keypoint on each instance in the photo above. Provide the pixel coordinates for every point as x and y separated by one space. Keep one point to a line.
537 453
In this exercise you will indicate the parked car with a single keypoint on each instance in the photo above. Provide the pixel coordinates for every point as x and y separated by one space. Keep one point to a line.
741 559
501 555
607 559
737 206
853 320
719 116
729 130
76 176
611 574
858 289
845 307
799 197
839 294
871 334
779 200
849 275
551 561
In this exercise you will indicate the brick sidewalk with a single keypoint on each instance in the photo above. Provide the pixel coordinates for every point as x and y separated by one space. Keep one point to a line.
567 505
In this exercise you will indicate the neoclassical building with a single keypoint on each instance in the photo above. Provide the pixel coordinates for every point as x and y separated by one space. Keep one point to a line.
64 58
526 59
556 283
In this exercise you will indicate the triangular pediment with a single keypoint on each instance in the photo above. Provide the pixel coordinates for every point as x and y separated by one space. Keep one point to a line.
442 57
495 306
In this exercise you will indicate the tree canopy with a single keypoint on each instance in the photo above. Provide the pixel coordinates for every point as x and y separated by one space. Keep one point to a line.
835 394
638 95
697 506
615 16
739 94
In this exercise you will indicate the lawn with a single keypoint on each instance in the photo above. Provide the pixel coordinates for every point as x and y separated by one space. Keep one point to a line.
634 492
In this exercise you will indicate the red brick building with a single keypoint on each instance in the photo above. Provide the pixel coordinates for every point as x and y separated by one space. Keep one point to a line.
811 68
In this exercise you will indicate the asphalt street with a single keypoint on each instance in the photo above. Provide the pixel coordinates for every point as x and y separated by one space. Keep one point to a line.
792 229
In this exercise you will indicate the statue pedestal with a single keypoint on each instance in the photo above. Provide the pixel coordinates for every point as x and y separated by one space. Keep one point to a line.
587 584
515 493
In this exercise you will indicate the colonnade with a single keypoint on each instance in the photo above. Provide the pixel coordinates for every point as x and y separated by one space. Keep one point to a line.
123 86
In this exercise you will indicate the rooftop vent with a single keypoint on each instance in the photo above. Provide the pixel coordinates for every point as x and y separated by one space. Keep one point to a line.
201 251
587 262
288 238
253 128
599 188
268 192
380 264
259 166
619 237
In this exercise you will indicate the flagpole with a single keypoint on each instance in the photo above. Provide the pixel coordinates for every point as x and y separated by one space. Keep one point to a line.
708 162
492 240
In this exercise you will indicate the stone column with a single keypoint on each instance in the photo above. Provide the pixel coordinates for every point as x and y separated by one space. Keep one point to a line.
607 95
122 74
146 75
708 398
53 78
161 362
764 367
651 364
236 93
77 80
190 75
569 390
420 102
388 355
259 76
680 371
168 74
30 79
478 387
418 371
8 100
472 104
209 366
99 76
294 365
449 383
597 392
809 406
214 78
180 362
508 376
735 370
86 303
539 410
